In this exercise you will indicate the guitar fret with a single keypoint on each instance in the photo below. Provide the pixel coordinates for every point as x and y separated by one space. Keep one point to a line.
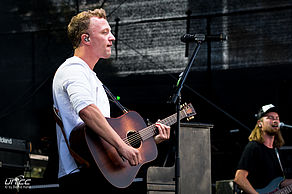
289 188
284 190
150 131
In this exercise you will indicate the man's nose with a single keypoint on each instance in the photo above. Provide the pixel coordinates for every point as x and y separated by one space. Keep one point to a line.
276 121
112 37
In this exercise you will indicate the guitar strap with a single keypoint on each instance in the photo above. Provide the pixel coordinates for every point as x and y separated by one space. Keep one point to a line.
278 156
114 99
77 157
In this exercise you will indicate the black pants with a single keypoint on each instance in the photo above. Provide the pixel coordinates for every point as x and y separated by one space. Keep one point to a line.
92 181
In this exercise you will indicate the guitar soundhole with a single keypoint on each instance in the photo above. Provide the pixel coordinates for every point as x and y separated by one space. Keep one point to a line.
134 139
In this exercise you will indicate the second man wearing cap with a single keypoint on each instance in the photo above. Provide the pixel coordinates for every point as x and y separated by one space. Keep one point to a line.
259 165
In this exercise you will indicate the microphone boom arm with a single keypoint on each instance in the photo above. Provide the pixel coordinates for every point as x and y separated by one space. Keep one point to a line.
185 74
281 124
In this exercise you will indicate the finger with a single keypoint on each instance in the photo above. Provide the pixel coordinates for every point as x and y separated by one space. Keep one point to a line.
133 156
138 157
159 127
168 131
133 162
160 130
165 130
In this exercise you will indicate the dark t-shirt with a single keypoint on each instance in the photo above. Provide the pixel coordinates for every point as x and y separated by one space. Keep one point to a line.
261 163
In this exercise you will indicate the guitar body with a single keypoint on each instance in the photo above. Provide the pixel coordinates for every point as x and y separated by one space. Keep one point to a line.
272 187
133 131
98 152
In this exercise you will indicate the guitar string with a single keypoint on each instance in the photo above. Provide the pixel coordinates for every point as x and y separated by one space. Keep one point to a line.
146 133
141 135
136 138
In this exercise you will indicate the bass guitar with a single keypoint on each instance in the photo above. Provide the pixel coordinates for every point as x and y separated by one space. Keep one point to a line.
133 130
274 187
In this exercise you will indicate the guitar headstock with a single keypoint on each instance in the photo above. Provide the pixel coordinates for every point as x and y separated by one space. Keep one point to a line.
189 110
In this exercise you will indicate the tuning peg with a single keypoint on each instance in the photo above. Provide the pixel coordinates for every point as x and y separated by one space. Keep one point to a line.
183 105
190 118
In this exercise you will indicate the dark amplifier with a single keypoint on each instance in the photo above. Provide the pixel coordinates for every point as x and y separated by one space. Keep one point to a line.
14 153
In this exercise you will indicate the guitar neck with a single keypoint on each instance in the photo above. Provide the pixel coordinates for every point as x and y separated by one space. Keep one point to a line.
285 190
151 131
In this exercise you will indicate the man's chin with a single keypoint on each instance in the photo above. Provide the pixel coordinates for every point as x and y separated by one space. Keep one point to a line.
107 56
272 132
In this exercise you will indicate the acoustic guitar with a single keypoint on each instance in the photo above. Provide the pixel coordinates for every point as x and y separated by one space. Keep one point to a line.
133 130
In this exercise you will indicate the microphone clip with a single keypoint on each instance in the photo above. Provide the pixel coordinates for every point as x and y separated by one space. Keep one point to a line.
202 37
199 37
193 38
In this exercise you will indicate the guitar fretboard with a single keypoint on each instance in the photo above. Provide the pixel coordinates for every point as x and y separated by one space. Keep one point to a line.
150 131
285 190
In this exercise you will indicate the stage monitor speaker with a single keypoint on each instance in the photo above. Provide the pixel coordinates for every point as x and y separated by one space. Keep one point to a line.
195 163
286 159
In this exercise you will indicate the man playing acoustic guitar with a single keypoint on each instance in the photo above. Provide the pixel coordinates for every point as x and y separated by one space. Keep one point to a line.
259 169
79 97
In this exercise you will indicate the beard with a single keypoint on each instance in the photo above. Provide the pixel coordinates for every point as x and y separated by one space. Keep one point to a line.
272 131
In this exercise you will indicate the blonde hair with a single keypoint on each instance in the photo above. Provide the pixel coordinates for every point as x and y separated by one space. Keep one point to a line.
256 135
79 24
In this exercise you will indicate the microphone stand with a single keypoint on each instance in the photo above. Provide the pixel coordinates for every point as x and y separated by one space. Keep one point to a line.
176 99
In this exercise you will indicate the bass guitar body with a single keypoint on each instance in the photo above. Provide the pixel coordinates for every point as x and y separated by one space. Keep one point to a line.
274 187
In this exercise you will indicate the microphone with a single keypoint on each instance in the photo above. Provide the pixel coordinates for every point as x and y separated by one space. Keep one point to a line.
202 37
282 125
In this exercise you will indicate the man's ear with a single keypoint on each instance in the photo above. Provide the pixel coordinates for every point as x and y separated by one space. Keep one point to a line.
260 123
85 38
